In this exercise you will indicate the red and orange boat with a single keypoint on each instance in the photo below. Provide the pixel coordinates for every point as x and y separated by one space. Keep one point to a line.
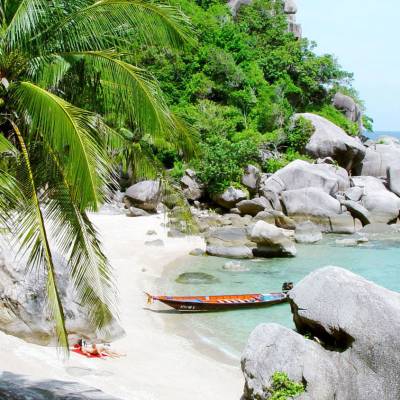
221 303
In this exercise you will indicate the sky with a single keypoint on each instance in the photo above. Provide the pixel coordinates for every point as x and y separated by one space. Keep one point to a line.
365 37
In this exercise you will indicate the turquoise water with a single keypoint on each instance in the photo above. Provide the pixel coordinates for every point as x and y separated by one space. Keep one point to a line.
376 135
376 261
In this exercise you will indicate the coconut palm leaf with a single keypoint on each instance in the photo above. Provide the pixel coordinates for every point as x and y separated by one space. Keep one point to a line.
72 133
32 233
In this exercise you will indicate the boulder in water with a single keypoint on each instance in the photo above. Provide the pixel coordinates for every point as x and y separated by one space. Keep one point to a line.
192 278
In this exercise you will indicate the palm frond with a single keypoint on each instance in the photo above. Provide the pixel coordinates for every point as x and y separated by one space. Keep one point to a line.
103 23
74 135
32 234
47 71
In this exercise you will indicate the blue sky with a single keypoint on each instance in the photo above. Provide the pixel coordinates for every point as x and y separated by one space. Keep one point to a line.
365 37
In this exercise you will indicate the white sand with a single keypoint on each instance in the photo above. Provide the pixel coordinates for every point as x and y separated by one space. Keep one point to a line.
160 365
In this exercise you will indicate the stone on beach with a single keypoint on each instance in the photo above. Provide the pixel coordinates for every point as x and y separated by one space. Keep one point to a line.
253 207
230 197
356 355
307 232
271 242
144 195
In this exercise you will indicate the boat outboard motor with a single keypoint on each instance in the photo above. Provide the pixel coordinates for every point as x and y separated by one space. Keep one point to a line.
287 286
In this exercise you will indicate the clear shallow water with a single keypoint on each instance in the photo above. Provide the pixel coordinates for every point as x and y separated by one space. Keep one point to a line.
377 135
376 261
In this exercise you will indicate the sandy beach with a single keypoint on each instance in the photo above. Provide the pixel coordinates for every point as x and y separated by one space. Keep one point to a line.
160 364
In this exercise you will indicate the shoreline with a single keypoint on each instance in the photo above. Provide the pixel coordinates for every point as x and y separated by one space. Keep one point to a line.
161 364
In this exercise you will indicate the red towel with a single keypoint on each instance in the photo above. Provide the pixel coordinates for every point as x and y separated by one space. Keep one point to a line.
78 350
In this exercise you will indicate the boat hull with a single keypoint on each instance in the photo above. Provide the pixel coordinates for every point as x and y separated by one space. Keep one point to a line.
196 306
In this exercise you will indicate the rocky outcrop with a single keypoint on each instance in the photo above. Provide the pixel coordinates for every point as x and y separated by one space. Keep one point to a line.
191 187
307 232
357 211
230 197
320 208
19 387
301 174
329 140
355 354
393 177
145 195
271 242
383 205
23 301
290 9
378 158
348 106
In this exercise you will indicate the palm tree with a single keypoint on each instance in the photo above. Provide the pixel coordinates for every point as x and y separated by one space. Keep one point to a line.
54 164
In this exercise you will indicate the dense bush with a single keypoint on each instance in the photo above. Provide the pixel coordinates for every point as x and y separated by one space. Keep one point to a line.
241 82
332 114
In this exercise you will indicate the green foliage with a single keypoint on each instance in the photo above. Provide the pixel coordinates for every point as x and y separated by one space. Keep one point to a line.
368 123
283 388
274 164
332 114
299 134
221 162
69 108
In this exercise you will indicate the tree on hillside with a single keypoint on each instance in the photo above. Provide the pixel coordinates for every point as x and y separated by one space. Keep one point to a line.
64 64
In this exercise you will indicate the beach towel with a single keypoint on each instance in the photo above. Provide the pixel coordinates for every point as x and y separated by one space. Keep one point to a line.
78 350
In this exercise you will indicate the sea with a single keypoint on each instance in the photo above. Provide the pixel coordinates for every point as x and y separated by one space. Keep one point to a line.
378 134
228 332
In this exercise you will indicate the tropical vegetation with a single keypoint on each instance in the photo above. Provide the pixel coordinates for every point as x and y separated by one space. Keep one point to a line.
72 103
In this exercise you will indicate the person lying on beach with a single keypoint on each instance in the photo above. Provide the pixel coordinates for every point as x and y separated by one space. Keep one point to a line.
98 349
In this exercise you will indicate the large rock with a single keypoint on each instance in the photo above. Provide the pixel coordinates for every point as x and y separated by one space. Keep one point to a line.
320 208
251 178
271 242
253 207
357 211
23 303
191 187
356 351
348 106
300 174
307 232
393 176
329 140
229 242
19 387
378 158
145 195
230 197
383 206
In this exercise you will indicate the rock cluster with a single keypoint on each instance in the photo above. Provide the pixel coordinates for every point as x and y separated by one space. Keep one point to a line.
351 347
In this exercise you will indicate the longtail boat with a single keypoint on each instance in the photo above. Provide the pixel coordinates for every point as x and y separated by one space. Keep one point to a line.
221 303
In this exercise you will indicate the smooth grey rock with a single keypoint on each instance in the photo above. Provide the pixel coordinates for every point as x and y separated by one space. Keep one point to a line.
354 193
393 177
191 187
344 223
227 236
354 319
290 7
283 221
23 302
357 211
197 252
300 174
329 140
251 178
350 108
253 207
193 278
271 242
238 252
265 216
136 212
19 387
230 197
307 232
347 242
383 206
156 243
145 195
378 158
151 232
380 229
312 201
